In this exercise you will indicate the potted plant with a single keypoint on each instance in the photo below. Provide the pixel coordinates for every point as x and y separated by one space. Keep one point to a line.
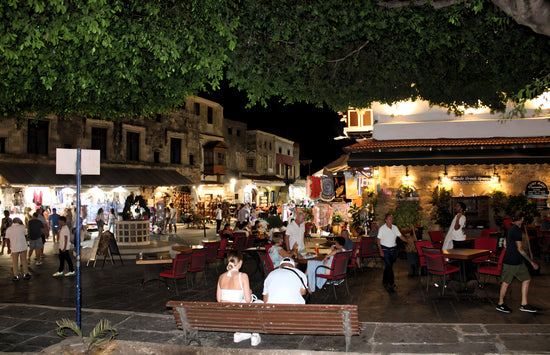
407 216
441 202
337 219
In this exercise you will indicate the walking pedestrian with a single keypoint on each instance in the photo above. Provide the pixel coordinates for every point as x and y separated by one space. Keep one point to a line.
513 266
17 246
64 249
387 244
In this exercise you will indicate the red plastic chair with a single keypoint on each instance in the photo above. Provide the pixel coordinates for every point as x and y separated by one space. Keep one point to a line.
211 251
544 243
437 238
486 232
250 241
353 257
221 249
178 271
486 243
368 249
267 263
492 270
419 245
436 265
239 242
267 247
197 263
338 270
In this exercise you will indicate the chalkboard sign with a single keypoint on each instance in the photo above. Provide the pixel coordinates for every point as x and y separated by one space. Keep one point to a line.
104 243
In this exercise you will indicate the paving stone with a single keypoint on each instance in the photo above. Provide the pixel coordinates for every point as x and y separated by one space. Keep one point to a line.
526 342
6 322
457 348
32 327
518 328
472 328
414 333
22 312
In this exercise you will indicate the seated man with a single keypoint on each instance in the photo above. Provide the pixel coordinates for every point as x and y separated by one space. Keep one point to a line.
285 284
313 264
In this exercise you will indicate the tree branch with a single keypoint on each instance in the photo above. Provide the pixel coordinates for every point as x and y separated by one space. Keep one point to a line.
349 54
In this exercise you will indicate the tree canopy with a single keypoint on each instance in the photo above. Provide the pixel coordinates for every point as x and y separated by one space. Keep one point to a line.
135 57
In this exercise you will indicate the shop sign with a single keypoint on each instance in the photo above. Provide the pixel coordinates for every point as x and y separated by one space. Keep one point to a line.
470 180
536 189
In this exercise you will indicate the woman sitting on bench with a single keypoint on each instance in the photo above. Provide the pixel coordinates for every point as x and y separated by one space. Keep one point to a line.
234 286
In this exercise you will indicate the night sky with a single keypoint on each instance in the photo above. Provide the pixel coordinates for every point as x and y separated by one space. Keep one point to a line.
313 128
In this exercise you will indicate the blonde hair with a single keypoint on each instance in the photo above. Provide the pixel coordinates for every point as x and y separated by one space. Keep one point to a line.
233 259
276 240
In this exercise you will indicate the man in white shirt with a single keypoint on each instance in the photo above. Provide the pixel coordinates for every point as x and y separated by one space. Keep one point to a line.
64 249
456 238
173 219
219 216
295 234
387 244
17 246
285 284
243 214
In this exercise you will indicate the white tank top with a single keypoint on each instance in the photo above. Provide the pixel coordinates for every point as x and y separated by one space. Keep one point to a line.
233 295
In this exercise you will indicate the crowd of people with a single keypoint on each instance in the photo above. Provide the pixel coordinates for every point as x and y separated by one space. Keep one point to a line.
23 238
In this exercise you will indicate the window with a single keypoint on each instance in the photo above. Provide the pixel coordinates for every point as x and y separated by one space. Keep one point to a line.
197 108
191 159
156 157
99 141
2 145
132 146
37 137
210 115
280 150
220 159
288 152
238 133
175 151
250 163
229 131
270 148
158 117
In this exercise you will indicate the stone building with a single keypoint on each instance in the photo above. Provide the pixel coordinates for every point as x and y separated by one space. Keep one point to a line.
414 148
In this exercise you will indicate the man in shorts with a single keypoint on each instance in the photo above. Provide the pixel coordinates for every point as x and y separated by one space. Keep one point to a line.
513 265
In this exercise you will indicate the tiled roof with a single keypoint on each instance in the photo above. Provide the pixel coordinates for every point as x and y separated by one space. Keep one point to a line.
371 143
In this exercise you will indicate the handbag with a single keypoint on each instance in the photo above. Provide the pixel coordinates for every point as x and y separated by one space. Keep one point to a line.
307 296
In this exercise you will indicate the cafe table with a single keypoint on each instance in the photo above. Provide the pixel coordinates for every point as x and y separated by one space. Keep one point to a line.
153 265
464 255
186 248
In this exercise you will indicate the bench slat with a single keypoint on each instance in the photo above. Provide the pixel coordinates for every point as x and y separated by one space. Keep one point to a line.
267 318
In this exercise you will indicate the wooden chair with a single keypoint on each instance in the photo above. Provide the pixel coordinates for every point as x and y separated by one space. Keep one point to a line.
178 271
436 265
437 238
492 269
197 263
368 249
267 263
338 270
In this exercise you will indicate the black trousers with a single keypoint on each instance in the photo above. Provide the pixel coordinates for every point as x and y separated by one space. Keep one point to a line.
65 256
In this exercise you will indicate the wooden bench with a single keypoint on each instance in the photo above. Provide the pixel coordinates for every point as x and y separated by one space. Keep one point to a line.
266 318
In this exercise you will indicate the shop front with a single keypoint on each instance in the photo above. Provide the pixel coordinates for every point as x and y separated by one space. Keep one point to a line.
471 170
28 186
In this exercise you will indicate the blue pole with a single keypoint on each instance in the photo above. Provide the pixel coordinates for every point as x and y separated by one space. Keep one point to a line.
77 238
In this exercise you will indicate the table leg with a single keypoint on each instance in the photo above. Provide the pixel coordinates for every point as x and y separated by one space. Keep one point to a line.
151 273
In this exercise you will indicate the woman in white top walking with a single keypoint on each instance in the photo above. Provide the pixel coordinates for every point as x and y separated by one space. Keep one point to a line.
234 286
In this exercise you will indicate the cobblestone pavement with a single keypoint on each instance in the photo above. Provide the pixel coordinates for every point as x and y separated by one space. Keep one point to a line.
410 320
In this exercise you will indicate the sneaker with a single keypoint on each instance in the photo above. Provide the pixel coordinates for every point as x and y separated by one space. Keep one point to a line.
15 278
255 339
238 337
38 263
504 308
27 276
59 273
70 273
338 282
528 308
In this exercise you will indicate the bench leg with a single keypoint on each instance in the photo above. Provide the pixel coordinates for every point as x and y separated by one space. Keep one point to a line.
347 329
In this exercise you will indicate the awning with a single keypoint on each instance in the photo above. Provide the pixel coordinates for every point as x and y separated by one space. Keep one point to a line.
449 157
265 180
44 175
337 166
